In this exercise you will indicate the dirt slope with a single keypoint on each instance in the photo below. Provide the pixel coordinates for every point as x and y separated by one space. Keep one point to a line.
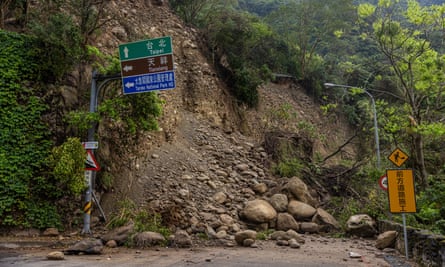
205 138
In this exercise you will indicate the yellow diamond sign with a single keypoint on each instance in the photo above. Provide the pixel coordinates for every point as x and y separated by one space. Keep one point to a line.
398 157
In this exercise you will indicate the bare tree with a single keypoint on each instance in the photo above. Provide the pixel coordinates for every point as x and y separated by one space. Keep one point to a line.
4 8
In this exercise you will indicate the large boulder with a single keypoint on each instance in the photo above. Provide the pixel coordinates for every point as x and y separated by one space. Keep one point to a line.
120 234
258 211
285 221
241 236
325 220
147 239
300 191
301 210
361 225
279 202
182 239
86 246
309 227
288 235
386 240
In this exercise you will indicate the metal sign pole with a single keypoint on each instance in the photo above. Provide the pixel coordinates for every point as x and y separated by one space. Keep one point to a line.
89 174
405 235
88 204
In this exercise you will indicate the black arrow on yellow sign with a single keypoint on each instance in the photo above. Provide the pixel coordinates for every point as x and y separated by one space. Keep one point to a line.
398 157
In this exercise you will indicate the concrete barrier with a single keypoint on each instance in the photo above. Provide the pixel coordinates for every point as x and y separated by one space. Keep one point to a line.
424 247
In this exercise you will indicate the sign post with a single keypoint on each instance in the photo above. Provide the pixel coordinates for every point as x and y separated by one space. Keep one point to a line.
147 65
401 190
91 166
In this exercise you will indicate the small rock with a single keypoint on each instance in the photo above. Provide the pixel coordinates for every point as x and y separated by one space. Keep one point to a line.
55 256
354 255
248 242
220 197
148 238
260 188
282 242
243 235
111 244
221 234
51 232
182 239
294 244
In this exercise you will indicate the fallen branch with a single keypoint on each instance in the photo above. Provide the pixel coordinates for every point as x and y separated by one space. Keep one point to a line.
340 148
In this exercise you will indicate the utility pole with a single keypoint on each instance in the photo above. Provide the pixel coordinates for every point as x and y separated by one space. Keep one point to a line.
374 111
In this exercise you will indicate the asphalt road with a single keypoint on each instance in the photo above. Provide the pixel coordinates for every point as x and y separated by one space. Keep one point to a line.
333 253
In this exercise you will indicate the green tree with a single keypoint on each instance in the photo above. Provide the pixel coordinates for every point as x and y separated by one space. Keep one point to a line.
307 24
403 36
198 12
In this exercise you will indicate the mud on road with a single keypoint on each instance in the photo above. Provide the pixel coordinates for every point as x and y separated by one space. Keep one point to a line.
317 251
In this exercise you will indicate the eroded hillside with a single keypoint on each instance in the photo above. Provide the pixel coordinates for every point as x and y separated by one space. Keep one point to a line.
209 157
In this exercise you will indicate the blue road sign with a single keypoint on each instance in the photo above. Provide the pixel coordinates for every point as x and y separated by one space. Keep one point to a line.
149 82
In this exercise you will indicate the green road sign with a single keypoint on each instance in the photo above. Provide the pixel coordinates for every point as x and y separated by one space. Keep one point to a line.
146 48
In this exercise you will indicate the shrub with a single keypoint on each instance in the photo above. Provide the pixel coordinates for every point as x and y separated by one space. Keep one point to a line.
68 164
288 167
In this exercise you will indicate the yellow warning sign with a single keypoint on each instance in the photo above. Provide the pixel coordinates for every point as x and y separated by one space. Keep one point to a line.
398 157
402 198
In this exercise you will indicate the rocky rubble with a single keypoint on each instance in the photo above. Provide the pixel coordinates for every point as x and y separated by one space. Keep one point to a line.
215 184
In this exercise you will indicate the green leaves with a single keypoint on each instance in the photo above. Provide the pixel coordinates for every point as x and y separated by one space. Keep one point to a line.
137 112
24 138
365 10
68 162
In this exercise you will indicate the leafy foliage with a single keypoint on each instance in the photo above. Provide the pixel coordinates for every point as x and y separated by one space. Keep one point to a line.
137 112
405 39
61 45
249 47
24 138
68 163
124 215
288 167
431 207
143 220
